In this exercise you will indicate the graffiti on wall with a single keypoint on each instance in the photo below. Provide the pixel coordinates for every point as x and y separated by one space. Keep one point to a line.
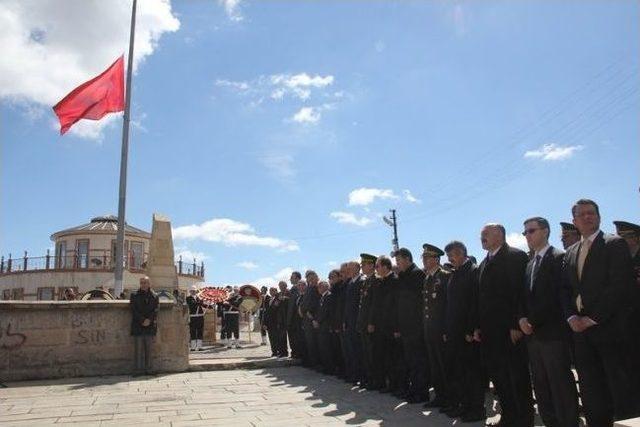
11 340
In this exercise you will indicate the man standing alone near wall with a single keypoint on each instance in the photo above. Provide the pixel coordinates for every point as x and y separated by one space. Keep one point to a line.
144 313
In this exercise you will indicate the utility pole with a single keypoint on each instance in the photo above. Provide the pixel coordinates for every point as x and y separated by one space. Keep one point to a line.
393 222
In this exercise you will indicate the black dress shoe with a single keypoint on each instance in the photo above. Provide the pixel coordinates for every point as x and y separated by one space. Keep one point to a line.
446 408
455 412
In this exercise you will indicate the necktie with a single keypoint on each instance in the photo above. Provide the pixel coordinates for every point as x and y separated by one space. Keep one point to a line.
582 256
536 267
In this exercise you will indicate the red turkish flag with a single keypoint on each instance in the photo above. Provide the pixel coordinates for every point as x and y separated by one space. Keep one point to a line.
93 99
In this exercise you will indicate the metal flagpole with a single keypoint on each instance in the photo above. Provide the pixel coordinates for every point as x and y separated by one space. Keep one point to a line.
122 197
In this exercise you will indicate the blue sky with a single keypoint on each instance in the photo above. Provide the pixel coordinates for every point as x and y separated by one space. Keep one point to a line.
276 134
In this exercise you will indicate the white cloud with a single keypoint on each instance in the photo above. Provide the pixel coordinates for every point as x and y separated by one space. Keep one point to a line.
188 255
247 265
278 86
349 218
232 9
307 115
282 165
273 280
237 85
365 196
231 233
299 84
380 46
50 47
517 240
552 152
410 197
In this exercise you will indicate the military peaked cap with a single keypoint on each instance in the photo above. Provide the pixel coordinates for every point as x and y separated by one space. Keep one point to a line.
432 250
368 258
625 228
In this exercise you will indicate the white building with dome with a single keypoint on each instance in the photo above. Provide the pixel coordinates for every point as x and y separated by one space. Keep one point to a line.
84 259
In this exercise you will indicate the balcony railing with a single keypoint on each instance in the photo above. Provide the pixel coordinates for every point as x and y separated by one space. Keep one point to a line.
93 260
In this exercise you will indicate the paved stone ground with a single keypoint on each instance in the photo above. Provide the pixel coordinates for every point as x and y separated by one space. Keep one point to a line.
267 397
250 355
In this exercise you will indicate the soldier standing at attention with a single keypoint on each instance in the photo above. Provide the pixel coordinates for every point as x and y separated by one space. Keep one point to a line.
570 235
631 234
434 294
465 388
368 263
196 319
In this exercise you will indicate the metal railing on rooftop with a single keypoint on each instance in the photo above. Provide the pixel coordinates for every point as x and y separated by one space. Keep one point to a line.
93 260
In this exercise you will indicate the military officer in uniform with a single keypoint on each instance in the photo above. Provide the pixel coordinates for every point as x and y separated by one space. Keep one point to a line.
631 234
368 263
570 234
434 294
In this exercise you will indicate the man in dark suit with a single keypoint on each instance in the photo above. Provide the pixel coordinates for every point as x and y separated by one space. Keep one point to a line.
501 278
434 297
463 367
547 335
298 320
308 309
261 314
367 337
272 321
388 358
598 280
324 325
409 312
353 362
285 299
292 327
337 289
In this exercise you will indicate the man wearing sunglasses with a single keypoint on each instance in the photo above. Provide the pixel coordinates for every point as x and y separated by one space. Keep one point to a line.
547 335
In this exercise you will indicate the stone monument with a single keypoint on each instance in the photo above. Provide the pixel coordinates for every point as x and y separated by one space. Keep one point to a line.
161 268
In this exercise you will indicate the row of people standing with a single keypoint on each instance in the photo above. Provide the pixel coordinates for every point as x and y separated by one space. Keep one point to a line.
519 320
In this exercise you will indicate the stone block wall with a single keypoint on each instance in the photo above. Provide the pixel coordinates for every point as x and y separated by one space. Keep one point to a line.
56 339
